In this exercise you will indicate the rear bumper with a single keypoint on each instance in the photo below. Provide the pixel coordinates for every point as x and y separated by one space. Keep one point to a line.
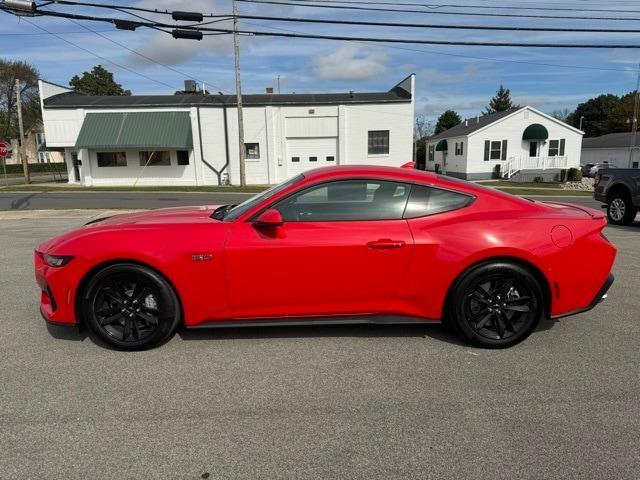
599 297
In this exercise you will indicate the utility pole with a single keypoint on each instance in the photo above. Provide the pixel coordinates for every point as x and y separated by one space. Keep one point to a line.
634 121
25 160
236 51
278 84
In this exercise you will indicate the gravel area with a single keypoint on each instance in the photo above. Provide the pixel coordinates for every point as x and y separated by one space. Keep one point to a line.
586 184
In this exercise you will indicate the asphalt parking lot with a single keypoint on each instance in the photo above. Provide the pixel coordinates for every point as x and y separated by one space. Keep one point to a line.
317 402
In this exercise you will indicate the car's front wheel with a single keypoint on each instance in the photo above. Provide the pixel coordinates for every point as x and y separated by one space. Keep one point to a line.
496 305
620 209
130 306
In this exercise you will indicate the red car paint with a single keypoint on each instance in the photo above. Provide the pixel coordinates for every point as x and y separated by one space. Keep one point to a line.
224 270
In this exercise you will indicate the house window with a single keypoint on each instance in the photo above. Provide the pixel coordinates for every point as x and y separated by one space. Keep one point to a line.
40 140
183 157
459 148
378 142
432 149
496 150
556 147
252 151
154 158
112 159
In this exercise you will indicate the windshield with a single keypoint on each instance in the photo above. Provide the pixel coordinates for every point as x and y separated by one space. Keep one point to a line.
238 210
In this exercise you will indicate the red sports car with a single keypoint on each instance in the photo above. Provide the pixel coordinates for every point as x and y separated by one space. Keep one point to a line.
350 244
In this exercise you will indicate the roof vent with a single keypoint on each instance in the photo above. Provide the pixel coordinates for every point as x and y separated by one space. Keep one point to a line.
190 86
466 122
269 90
478 118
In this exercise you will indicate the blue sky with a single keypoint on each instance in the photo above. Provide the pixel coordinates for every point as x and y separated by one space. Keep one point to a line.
462 78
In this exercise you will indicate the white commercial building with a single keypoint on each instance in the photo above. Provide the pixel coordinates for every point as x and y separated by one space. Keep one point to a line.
193 139
520 143
618 149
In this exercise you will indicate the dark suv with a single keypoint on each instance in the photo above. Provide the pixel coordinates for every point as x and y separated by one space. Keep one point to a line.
619 188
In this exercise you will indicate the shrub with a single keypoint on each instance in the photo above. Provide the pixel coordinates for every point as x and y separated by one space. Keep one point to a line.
37 168
574 175
538 179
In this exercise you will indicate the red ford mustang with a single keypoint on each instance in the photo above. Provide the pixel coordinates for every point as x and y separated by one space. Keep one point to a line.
335 245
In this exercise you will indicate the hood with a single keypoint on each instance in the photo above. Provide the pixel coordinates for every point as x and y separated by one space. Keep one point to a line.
159 216
152 218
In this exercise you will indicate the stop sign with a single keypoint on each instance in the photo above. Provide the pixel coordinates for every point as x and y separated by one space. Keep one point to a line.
3 150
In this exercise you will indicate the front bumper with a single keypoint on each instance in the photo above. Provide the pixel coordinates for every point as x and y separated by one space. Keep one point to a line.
599 297
57 296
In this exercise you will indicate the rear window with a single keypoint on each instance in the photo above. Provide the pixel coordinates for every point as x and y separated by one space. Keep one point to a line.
425 201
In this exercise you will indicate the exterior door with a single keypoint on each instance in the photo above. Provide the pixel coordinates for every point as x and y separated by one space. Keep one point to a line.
533 149
307 153
342 250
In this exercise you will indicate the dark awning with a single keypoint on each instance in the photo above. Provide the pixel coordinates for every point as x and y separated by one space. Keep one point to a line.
442 146
136 130
535 132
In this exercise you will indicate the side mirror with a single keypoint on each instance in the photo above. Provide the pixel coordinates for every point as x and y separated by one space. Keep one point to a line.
270 218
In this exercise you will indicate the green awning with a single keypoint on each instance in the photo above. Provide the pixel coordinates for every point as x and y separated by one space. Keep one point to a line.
442 146
535 131
136 130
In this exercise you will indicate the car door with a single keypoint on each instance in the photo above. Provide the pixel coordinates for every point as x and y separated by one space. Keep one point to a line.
341 250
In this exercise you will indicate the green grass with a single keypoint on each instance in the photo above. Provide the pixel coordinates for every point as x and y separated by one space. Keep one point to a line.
69 188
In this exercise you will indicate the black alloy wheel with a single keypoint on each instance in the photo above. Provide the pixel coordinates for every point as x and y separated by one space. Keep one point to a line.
497 305
131 307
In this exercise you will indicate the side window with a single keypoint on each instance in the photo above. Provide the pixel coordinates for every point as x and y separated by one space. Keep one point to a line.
346 200
429 201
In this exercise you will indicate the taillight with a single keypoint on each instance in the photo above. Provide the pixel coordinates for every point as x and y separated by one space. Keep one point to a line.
596 180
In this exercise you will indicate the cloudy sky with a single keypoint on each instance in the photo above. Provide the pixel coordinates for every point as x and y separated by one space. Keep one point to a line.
462 78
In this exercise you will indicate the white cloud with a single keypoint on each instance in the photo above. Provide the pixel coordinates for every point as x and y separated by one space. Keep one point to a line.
435 76
350 62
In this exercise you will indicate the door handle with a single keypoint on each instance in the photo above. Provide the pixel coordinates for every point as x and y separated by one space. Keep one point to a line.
386 243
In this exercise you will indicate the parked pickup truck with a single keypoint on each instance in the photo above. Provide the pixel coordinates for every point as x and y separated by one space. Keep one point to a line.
619 188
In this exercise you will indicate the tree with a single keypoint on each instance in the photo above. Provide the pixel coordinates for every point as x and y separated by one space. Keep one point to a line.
500 102
98 82
28 76
603 114
561 114
447 120
423 127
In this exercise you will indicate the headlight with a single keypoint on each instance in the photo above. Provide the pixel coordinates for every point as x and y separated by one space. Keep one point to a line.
56 260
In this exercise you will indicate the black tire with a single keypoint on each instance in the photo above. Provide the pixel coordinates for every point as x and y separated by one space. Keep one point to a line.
496 305
130 307
620 209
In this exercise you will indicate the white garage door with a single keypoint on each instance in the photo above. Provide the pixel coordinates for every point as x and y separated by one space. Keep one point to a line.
307 153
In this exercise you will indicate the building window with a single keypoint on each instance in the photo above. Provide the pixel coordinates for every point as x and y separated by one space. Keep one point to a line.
154 158
495 150
43 157
331 158
432 154
556 147
252 151
459 148
295 159
112 159
183 157
378 142
313 159
40 140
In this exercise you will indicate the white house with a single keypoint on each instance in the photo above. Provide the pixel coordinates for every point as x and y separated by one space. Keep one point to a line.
520 143
193 139
614 149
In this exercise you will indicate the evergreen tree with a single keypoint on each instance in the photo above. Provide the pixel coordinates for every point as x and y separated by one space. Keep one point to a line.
98 82
447 120
500 102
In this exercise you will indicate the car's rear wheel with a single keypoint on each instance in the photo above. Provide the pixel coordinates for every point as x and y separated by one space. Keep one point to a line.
496 305
130 306
620 209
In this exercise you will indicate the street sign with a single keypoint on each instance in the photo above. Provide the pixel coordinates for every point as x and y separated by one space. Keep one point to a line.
4 150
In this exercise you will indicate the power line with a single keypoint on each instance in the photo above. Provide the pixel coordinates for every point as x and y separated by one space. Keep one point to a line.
436 26
293 3
491 7
474 57
20 34
145 56
98 56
